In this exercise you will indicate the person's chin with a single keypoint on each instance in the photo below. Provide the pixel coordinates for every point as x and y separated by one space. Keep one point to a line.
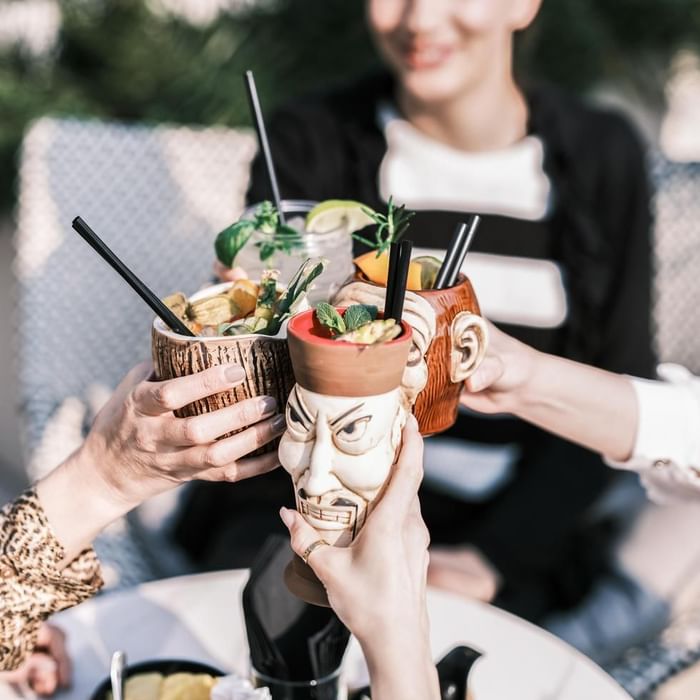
430 86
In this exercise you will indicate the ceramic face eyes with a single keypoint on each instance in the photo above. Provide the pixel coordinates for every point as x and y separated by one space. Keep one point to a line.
349 437
353 431
300 425
339 452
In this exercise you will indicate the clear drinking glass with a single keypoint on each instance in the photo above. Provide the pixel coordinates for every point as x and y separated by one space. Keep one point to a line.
328 688
335 245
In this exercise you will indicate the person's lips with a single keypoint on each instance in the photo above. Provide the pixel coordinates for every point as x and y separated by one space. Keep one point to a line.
424 57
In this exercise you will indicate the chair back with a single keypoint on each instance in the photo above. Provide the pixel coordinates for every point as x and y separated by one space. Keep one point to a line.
157 196
677 258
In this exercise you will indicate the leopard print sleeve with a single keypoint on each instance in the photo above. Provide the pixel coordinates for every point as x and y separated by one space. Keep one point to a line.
33 585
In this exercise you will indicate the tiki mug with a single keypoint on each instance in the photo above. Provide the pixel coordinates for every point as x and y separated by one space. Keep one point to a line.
449 343
264 358
344 420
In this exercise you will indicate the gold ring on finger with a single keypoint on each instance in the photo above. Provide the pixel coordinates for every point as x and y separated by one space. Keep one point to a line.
312 548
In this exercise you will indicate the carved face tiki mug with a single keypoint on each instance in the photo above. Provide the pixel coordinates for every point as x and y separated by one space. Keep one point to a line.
344 421
449 343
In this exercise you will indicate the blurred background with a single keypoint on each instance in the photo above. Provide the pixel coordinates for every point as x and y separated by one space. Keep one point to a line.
180 61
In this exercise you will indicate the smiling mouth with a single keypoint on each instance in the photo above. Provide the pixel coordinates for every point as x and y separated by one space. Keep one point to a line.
425 58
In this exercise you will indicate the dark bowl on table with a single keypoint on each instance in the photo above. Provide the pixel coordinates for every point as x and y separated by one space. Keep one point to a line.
167 667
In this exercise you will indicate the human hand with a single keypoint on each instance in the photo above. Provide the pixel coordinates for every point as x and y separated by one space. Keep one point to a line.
48 668
140 448
380 577
503 373
377 585
137 448
464 571
228 274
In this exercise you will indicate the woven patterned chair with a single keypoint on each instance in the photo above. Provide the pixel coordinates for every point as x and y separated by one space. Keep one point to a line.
677 240
157 196
644 667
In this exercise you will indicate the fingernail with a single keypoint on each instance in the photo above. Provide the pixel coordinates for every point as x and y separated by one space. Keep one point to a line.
268 405
279 423
234 374
287 517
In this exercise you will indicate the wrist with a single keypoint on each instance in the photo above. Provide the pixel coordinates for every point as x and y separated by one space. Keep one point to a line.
77 503
115 485
524 390
401 664
402 639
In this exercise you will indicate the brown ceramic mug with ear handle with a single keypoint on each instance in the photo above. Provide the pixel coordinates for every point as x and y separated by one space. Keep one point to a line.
456 350
449 342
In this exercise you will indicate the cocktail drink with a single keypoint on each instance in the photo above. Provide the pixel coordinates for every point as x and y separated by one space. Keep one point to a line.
243 322
285 252
264 358
449 343
344 420
453 355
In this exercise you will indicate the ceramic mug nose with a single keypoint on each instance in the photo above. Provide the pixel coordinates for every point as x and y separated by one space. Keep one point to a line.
320 479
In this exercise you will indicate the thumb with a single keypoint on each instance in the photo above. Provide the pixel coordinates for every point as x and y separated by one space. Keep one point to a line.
488 374
302 537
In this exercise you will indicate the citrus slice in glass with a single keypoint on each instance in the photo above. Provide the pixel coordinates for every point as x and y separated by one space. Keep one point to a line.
331 214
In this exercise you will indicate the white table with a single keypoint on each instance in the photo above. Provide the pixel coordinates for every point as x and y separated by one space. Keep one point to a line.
200 618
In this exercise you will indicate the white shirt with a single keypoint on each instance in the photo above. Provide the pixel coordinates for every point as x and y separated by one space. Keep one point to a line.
667 447
424 173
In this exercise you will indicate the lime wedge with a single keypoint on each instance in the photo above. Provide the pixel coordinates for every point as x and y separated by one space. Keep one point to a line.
336 213
429 267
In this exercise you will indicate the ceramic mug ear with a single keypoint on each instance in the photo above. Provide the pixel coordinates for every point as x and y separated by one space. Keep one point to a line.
468 338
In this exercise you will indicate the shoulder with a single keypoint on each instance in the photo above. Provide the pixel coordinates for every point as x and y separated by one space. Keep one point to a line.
581 129
350 105
326 144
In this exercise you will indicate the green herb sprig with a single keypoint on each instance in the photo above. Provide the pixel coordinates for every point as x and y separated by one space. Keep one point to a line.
266 219
272 311
355 317
390 226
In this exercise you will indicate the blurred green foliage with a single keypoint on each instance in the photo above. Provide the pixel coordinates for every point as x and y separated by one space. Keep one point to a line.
630 43
118 59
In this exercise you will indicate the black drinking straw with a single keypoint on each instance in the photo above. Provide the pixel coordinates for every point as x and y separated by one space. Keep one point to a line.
256 111
456 252
400 279
161 310
391 279
462 250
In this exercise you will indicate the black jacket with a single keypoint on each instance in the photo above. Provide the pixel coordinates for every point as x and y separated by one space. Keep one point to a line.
330 146
534 531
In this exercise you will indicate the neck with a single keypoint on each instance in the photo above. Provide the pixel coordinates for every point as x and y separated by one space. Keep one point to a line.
489 116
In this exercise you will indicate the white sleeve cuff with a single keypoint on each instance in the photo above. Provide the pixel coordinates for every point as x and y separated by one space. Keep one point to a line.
668 430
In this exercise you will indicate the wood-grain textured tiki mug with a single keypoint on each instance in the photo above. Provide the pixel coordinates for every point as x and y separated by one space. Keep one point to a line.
265 360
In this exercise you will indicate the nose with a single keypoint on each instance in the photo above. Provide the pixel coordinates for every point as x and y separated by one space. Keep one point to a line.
421 16
320 478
